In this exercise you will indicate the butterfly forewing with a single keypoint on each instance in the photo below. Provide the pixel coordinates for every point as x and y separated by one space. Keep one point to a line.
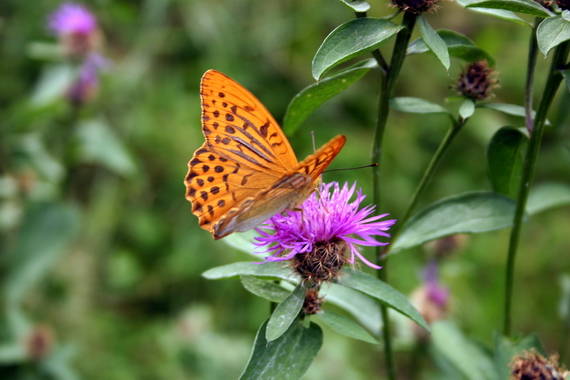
316 163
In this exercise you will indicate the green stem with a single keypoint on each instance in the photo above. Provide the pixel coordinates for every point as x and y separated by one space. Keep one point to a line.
529 86
430 171
387 83
552 83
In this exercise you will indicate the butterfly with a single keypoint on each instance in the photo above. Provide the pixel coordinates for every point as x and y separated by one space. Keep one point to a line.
246 171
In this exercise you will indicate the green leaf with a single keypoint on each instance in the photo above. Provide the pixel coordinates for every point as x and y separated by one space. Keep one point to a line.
506 349
267 289
54 81
272 270
467 357
416 105
349 40
243 241
499 13
97 143
285 313
551 33
383 292
344 326
546 196
435 43
286 358
508 109
363 308
360 6
313 96
458 45
47 230
471 212
505 158
466 109
520 6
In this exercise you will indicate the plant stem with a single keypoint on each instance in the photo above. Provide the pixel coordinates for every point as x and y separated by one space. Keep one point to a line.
387 83
529 86
430 171
552 83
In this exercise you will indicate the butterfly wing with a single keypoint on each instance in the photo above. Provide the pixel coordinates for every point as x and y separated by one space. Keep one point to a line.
245 151
316 163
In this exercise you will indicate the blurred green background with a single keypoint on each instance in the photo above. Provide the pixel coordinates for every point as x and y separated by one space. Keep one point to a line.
101 256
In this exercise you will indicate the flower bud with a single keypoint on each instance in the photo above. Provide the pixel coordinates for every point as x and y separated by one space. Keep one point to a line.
415 6
313 302
39 343
531 365
477 81
85 86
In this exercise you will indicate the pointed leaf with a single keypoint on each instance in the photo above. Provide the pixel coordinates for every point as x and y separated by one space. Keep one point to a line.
467 357
520 6
459 46
505 158
508 109
286 358
466 109
285 313
313 96
552 32
546 196
383 292
344 326
349 40
363 308
243 268
435 43
267 289
416 105
499 13
471 212
357 5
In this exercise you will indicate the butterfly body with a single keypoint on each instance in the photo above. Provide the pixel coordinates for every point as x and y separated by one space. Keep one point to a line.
246 171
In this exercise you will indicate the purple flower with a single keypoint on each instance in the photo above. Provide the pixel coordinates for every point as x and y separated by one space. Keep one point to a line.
435 292
328 215
72 18
87 81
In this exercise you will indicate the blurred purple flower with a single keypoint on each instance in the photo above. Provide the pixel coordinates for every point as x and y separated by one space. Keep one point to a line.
72 18
435 292
327 215
87 81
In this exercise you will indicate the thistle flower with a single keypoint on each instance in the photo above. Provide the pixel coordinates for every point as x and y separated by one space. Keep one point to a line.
415 6
85 86
76 28
477 81
317 238
531 365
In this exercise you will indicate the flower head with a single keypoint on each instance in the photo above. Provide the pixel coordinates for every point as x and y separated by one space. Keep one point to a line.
531 365
415 6
71 18
318 236
477 81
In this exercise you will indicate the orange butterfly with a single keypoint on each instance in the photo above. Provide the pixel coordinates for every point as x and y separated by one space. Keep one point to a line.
246 171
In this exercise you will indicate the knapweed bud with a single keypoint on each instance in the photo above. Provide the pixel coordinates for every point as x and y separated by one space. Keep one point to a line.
312 303
477 81
531 365
415 6
563 4
85 86
76 28
39 343
322 263
431 299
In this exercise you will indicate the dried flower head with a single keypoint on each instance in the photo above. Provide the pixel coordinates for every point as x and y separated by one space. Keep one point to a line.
318 237
415 6
477 81
532 365
76 28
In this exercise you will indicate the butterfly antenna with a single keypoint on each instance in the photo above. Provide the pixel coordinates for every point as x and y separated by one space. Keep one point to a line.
358 167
